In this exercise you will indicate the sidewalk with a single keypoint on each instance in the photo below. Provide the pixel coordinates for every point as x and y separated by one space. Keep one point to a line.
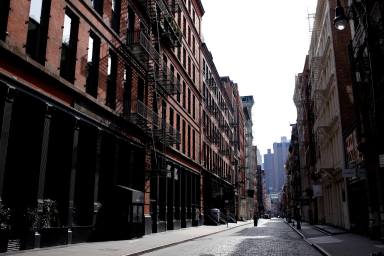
333 241
132 247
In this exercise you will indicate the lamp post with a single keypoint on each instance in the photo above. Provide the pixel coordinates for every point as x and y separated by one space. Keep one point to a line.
340 21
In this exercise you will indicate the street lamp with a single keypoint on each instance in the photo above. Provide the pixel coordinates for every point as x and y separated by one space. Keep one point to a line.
341 20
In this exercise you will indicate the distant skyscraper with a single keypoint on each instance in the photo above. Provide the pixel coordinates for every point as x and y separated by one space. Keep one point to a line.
274 166
280 152
269 169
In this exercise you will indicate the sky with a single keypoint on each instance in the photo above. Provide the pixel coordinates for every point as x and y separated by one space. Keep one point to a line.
261 45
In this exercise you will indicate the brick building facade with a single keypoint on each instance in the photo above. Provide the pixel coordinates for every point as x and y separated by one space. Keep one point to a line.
102 105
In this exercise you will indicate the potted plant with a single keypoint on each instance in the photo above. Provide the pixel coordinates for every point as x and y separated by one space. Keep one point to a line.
5 215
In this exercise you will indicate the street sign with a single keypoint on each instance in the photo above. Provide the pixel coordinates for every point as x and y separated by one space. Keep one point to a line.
349 173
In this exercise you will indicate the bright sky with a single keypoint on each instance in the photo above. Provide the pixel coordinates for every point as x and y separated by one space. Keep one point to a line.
261 45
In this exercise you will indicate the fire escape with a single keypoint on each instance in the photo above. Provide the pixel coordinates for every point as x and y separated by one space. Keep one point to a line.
140 47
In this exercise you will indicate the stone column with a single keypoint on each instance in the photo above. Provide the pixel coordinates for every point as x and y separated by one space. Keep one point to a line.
43 167
6 124
96 204
72 180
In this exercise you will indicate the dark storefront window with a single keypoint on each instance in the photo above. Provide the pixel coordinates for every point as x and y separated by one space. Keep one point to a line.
38 29
23 161
69 46
59 164
85 175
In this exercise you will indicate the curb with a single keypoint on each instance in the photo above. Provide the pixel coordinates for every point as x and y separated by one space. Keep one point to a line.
180 242
316 246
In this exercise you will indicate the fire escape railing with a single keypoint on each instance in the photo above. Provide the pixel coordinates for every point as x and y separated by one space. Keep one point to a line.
165 79
167 134
161 15
169 30
140 46
143 117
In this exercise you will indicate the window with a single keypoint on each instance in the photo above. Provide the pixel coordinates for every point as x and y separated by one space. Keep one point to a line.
184 58
189 35
4 12
93 65
178 129
116 6
69 46
111 80
98 6
193 107
189 66
193 145
140 90
178 18
130 20
179 53
189 141
172 77
184 26
184 95
127 81
193 73
193 45
183 138
179 83
163 113
189 101
38 29
171 114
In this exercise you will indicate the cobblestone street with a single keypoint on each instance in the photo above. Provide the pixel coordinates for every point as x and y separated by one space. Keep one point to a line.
271 237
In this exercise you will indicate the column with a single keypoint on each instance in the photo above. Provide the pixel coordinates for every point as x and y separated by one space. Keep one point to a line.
183 196
96 204
171 202
43 166
72 180
165 203
7 116
193 199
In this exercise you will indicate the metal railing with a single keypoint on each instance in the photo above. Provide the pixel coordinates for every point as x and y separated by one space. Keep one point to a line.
144 117
167 81
141 47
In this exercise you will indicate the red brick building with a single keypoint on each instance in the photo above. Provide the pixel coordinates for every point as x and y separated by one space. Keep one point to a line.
101 108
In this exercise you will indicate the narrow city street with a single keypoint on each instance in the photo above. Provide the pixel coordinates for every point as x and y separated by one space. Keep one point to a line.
271 237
